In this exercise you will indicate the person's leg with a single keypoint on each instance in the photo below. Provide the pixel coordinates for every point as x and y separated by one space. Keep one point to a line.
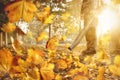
90 37
115 41
91 40
114 48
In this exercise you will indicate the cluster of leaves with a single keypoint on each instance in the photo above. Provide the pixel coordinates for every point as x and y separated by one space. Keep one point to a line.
115 67
36 67
35 63
20 9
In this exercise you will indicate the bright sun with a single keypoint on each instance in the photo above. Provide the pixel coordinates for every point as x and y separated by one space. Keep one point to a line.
106 21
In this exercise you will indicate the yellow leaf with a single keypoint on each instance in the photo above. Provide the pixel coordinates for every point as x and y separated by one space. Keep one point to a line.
17 46
43 15
84 69
47 68
23 64
42 36
113 69
49 20
34 57
40 16
52 43
67 45
5 59
21 9
117 60
88 59
69 59
79 77
61 64
77 74
34 73
63 38
16 69
58 77
9 27
101 72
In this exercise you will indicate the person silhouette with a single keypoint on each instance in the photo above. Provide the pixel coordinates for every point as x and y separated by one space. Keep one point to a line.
88 11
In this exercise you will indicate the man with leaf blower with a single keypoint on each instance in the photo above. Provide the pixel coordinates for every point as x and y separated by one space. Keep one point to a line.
88 11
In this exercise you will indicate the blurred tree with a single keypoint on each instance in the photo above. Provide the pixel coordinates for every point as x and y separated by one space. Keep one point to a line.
116 1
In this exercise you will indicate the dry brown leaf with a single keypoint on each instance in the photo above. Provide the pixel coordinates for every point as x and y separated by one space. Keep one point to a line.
15 60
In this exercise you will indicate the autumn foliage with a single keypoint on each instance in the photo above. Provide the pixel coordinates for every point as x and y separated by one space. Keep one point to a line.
20 9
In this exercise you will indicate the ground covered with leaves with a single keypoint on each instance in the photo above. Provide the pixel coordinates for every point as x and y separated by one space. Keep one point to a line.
56 63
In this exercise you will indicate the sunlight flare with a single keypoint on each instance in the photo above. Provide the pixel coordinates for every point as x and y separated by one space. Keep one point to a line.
107 20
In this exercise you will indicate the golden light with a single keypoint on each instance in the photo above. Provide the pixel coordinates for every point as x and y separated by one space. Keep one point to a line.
107 20
107 1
